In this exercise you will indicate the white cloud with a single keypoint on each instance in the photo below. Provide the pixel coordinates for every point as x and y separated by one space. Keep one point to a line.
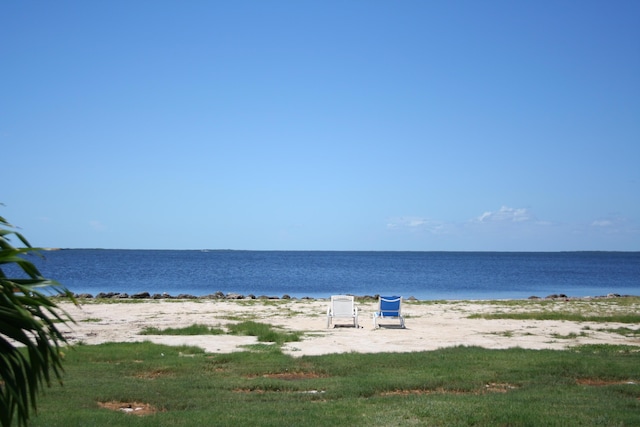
506 214
615 224
510 228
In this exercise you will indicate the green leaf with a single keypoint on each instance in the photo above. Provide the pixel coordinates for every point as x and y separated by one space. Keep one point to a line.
27 317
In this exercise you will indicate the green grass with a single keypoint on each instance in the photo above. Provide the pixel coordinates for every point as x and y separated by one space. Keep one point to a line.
189 330
627 332
462 386
263 331
608 303
618 310
569 336
552 315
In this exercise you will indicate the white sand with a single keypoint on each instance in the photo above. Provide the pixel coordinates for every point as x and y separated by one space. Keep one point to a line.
429 326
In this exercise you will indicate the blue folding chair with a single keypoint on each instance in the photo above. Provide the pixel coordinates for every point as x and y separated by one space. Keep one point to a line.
388 308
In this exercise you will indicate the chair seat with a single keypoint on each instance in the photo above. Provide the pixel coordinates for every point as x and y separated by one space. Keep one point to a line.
342 307
389 307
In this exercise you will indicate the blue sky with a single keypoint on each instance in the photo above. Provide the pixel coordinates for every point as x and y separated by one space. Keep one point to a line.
322 125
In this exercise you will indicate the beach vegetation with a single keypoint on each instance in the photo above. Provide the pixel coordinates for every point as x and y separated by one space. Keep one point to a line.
570 335
622 301
262 347
558 315
239 317
145 384
196 329
508 334
30 342
264 332
262 301
627 332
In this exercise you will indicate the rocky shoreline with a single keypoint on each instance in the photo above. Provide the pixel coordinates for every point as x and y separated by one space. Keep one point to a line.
235 296
215 296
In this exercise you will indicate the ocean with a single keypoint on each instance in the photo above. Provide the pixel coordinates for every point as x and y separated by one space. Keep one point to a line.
320 274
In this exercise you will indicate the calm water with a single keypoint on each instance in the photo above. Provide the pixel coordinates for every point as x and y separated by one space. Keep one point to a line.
425 275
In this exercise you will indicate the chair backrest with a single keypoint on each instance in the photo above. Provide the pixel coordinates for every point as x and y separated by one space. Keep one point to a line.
390 306
342 305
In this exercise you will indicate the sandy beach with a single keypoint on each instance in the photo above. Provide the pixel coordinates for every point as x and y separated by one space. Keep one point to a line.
429 326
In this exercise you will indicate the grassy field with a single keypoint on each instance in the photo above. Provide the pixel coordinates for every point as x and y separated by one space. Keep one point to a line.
146 384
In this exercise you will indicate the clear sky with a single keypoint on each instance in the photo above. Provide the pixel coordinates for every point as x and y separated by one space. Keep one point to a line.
322 125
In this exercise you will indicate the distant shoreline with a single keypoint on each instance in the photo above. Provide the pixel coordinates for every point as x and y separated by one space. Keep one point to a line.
348 251
235 296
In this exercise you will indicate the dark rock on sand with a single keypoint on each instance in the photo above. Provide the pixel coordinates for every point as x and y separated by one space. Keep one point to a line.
88 296
141 295
104 295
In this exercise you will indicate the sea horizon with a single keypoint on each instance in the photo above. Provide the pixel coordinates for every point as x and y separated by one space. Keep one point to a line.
334 250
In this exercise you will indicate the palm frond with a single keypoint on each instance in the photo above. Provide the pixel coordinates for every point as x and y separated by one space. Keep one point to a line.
30 342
